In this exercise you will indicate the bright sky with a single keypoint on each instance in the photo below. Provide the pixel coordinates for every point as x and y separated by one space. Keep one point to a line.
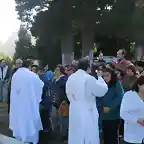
8 19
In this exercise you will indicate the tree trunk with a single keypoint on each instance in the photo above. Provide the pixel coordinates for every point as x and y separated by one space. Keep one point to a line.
139 51
67 48
87 42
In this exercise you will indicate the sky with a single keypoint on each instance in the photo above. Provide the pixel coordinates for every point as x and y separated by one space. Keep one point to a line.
8 19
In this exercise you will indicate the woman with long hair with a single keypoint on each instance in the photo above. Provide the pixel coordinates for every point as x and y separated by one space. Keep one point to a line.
111 107
61 102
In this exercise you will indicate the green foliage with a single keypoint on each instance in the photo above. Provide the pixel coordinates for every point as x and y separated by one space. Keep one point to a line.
24 48
120 19
49 53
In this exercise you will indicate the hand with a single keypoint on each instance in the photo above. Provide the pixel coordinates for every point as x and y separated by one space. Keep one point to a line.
141 122
106 109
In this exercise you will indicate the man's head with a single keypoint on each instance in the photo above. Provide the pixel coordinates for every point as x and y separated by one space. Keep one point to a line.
2 63
131 70
70 70
26 64
18 63
83 64
34 68
140 66
40 70
121 54
60 70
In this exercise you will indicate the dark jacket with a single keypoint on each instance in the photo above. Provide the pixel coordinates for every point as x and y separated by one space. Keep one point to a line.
7 74
60 91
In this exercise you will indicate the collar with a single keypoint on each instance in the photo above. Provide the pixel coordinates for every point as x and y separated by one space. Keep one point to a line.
80 70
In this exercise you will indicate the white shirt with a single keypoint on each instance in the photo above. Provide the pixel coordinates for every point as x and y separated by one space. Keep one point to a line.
132 109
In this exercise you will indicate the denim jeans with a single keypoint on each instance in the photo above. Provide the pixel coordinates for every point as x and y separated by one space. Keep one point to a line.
3 91
63 121
45 118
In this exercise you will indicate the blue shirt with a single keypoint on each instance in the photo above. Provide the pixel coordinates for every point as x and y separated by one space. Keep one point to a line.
49 75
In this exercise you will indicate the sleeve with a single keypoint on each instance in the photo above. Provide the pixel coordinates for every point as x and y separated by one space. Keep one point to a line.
66 98
125 110
39 88
68 88
119 95
98 87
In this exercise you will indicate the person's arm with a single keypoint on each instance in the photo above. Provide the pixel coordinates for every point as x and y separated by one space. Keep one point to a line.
125 110
99 87
119 95
7 75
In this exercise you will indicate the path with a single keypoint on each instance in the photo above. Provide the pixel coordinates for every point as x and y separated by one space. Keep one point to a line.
55 139
4 120
4 124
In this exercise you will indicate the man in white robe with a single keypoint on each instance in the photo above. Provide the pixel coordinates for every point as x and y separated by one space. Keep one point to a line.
81 90
26 91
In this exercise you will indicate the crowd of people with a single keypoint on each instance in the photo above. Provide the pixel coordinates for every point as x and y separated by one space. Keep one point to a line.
91 100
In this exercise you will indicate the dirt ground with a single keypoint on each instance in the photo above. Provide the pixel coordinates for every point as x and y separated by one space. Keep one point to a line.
45 139
4 124
4 120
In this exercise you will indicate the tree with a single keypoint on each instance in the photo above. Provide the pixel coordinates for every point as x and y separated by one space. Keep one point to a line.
64 17
24 48
138 28
57 21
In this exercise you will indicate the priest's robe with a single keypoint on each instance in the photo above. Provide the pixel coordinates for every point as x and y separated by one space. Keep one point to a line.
82 89
24 118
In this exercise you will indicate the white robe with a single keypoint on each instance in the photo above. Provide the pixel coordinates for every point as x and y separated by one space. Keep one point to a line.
26 91
81 90
132 109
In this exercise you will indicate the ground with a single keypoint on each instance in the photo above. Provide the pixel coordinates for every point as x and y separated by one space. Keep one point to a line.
4 120
54 139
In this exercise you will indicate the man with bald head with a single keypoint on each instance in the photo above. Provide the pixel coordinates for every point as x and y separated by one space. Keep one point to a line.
18 64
